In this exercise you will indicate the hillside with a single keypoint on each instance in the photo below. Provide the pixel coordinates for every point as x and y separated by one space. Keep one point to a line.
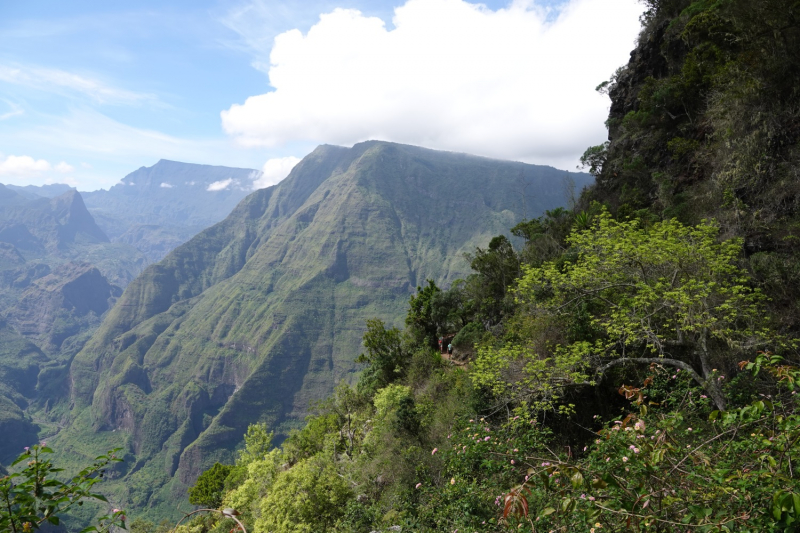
644 375
705 123
263 313
157 208
58 275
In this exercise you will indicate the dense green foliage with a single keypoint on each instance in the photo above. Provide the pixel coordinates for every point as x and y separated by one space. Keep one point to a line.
704 124
263 313
33 496
547 429
208 489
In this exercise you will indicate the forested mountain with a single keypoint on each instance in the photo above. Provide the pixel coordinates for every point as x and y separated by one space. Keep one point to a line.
58 275
60 271
632 365
263 313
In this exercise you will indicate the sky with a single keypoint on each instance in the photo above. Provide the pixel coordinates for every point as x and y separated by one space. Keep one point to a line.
90 91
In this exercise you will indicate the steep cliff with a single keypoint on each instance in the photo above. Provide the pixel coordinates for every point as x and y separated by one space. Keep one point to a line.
259 315
705 123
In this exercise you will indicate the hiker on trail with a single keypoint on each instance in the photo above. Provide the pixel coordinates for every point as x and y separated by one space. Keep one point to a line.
441 339
450 349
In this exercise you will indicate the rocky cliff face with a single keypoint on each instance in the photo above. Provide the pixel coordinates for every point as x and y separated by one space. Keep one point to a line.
62 304
49 303
704 123
259 315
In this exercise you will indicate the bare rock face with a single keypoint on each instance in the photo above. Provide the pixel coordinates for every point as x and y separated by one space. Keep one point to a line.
61 304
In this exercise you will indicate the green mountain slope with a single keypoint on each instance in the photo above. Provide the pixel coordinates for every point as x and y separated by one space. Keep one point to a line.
259 315
58 275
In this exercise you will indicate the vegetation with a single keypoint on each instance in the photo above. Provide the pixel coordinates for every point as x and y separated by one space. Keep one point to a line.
34 496
208 490
633 365
592 404
265 311
629 364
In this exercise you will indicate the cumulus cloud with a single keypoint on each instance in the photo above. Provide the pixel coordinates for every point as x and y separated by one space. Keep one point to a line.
220 185
23 166
166 186
64 167
450 75
274 171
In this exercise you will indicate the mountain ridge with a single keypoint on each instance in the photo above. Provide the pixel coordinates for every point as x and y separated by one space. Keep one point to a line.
262 313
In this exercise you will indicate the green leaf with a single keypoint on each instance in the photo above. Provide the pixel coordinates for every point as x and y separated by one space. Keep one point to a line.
548 511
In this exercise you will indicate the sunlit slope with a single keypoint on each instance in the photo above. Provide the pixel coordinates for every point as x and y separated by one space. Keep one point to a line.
263 313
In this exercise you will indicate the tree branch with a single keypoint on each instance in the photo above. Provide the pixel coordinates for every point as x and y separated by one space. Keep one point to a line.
716 396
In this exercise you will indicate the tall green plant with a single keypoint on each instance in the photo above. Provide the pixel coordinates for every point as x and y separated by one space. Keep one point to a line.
668 293
34 496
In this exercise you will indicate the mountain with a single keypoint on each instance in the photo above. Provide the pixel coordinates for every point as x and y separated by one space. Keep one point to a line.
59 273
158 208
46 191
261 314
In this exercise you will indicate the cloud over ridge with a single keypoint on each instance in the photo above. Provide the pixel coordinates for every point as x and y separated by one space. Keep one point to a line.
449 75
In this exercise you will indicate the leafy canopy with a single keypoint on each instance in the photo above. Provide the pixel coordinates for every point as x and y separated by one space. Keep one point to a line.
627 292
647 286
208 490
34 496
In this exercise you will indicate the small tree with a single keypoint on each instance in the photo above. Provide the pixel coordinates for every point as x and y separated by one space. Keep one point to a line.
385 356
209 488
421 314
626 294
33 495
669 294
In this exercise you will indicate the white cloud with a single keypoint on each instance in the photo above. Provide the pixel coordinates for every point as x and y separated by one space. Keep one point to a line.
64 167
115 148
274 171
86 165
220 185
449 75
23 166
57 80
166 186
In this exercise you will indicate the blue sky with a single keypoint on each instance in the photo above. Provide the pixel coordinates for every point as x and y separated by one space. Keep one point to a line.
90 91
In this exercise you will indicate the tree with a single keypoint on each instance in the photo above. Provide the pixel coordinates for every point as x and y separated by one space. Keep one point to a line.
420 317
209 488
33 496
669 294
497 268
385 357
311 496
